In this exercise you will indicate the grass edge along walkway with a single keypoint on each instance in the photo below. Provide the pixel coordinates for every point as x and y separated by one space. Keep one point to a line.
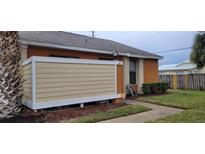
110 114
187 116
192 101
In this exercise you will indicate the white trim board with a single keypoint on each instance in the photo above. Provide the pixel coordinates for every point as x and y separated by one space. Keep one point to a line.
70 60
33 67
56 103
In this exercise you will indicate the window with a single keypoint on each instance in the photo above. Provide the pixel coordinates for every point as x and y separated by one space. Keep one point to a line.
132 71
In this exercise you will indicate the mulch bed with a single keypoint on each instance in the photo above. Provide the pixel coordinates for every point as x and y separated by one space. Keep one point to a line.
58 114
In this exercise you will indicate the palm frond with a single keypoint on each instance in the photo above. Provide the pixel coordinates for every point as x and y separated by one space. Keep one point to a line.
197 55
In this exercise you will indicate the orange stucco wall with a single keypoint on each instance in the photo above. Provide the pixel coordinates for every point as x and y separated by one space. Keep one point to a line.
40 51
150 71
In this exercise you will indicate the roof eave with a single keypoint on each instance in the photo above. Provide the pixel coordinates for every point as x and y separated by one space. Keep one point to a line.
188 69
140 56
51 45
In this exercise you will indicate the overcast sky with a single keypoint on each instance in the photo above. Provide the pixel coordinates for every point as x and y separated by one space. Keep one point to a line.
154 41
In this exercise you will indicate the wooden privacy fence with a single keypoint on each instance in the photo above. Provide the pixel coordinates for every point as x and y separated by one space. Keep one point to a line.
185 81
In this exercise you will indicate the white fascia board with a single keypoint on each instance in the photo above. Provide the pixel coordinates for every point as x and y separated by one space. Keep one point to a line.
70 60
56 103
139 56
83 49
147 57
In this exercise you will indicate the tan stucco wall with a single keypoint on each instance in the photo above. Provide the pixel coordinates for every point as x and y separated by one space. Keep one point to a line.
23 49
140 75
56 81
139 72
126 73
27 84
202 70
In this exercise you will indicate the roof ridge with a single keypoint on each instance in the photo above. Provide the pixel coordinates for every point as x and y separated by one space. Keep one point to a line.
111 41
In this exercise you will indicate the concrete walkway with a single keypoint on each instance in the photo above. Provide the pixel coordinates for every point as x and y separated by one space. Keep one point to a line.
157 112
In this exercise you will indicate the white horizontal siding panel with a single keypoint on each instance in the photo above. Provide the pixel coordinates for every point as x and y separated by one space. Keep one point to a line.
27 78
64 81
70 80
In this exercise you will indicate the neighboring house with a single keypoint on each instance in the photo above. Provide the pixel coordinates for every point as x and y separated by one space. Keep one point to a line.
185 67
138 66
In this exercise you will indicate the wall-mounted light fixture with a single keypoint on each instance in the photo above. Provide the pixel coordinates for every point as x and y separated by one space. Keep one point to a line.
115 53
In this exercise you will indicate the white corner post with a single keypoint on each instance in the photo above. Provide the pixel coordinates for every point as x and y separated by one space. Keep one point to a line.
82 105
140 76
33 63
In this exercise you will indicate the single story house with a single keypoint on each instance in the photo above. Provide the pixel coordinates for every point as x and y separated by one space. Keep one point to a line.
62 68
185 67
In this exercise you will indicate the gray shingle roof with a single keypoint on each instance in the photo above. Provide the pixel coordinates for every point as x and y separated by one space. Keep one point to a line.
82 41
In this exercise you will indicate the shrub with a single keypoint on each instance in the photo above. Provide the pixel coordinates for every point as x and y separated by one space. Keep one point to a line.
146 88
155 88
164 86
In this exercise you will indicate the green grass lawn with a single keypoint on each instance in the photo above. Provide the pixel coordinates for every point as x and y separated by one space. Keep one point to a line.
179 98
110 114
188 116
192 101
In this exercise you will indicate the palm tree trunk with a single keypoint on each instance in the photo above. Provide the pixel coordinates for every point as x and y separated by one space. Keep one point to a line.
11 94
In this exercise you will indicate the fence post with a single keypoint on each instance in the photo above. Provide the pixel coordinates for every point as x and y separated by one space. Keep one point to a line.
186 81
175 81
